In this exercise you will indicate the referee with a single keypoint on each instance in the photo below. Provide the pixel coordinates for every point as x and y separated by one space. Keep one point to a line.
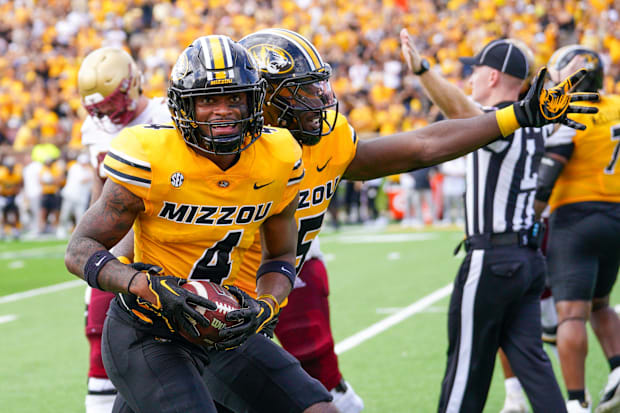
497 290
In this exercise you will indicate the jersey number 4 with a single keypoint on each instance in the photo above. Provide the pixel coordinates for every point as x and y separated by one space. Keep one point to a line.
215 263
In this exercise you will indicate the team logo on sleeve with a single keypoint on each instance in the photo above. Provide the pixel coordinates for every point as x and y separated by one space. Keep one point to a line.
177 179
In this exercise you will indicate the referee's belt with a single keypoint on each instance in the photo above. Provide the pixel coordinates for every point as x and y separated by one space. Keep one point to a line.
531 238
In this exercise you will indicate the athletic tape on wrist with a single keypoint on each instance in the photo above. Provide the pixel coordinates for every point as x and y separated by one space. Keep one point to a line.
276 309
507 120
94 265
283 267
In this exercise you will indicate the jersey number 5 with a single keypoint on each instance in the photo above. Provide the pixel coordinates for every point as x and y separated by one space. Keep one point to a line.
215 263
306 225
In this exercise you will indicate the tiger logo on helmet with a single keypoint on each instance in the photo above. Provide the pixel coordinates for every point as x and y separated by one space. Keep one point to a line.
110 85
568 59
212 66
299 94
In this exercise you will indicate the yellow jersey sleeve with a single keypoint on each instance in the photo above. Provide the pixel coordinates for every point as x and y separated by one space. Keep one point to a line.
347 138
127 162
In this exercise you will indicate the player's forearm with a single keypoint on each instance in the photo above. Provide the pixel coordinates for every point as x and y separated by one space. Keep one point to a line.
276 274
113 276
539 208
448 97
451 139
430 145
275 284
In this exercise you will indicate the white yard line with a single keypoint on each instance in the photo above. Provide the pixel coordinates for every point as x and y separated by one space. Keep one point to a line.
345 345
377 328
39 291
7 318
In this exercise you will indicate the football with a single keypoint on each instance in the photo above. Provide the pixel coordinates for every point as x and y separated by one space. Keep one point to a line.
225 301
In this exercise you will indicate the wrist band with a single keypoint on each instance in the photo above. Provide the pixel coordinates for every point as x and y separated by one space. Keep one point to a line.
94 265
131 280
276 310
507 120
283 267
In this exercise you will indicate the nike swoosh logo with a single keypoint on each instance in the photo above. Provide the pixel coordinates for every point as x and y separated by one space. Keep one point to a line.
285 270
99 262
262 186
320 168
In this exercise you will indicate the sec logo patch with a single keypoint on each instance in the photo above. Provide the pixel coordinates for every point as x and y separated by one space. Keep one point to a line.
177 179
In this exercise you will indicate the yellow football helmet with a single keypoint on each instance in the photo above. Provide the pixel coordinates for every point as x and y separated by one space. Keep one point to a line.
109 83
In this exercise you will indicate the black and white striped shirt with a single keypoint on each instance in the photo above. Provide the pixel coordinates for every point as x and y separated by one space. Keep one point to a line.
501 182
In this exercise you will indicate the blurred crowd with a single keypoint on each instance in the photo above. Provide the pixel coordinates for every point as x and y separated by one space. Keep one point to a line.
42 44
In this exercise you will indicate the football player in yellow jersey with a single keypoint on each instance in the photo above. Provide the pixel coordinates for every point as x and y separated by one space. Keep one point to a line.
196 193
50 177
299 97
579 177
11 182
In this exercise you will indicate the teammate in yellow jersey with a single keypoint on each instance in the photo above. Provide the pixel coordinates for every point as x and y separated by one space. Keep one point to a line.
11 182
579 177
300 98
196 192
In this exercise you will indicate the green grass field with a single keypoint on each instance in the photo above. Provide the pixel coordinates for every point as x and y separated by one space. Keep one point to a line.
373 275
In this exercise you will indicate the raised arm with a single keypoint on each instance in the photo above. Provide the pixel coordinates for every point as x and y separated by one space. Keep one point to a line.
433 144
448 97
450 139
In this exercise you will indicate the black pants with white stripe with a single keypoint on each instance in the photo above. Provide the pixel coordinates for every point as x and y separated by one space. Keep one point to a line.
496 303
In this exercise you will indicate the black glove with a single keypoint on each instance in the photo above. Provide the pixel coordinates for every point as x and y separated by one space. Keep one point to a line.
254 316
150 268
270 327
543 106
173 303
